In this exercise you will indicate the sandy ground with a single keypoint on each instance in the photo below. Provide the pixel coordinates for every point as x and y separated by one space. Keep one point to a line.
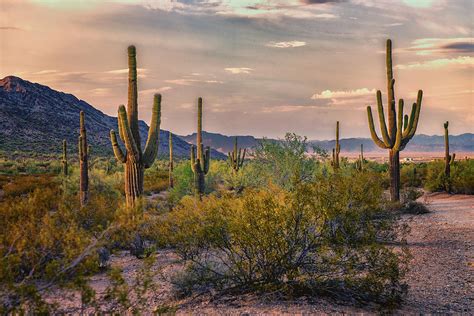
441 277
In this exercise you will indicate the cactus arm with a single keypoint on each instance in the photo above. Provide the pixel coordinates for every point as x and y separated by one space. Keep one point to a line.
130 144
398 138
373 133
193 158
452 158
152 143
116 147
405 122
199 131
207 158
383 125
411 119
414 126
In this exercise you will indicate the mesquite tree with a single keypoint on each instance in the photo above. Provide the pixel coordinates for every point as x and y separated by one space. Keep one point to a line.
83 162
134 158
400 128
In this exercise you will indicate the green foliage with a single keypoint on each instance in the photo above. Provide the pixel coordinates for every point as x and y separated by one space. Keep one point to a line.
461 177
323 237
284 163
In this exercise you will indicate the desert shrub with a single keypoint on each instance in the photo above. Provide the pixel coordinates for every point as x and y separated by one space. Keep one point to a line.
183 181
17 185
412 175
156 180
461 180
320 238
284 163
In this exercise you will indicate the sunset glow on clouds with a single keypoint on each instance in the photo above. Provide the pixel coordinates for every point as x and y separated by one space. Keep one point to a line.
263 67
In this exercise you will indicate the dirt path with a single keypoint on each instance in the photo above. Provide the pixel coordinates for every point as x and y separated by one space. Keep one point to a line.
441 278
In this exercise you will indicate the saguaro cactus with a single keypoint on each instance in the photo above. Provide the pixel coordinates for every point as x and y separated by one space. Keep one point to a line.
360 162
400 128
336 150
83 162
236 157
134 159
64 160
448 159
170 143
200 163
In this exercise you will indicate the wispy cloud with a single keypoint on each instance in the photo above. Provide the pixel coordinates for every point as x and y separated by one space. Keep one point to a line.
240 70
428 46
289 44
328 94
10 28
189 82
461 61
157 90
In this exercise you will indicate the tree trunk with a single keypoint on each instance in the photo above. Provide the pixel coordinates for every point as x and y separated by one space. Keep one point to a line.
394 176
133 181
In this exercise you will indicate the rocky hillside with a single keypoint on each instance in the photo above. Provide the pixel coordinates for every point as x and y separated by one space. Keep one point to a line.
35 118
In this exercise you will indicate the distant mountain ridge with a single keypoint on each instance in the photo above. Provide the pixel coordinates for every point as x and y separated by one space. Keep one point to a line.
36 118
419 143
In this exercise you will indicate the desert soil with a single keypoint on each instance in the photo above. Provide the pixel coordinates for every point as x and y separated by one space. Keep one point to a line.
441 276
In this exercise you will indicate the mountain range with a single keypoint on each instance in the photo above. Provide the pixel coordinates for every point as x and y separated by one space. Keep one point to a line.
419 143
35 118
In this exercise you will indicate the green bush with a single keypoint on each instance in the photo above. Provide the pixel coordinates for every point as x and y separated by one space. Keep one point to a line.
461 180
322 237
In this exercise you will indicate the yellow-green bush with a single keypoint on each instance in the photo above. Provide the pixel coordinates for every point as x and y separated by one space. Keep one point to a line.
321 237
461 180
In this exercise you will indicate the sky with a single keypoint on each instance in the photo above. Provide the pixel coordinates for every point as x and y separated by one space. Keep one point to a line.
262 67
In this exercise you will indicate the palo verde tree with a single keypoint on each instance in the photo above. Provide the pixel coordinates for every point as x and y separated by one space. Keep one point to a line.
236 157
400 128
134 158
448 159
200 163
83 161
336 150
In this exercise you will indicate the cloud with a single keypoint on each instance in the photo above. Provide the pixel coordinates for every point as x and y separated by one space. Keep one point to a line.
328 94
439 63
45 72
287 108
152 91
10 28
419 3
189 82
428 46
320 1
241 70
290 44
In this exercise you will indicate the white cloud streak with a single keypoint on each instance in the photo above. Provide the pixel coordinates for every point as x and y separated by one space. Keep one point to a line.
289 44
328 94
462 61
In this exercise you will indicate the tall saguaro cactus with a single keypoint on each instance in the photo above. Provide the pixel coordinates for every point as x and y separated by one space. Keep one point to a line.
400 128
134 159
200 163
336 150
448 159
64 160
237 157
83 161
170 143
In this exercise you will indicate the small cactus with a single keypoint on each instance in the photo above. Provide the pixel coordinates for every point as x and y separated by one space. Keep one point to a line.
336 150
400 128
135 160
236 157
83 162
448 159
170 143
200 163
360 161
64 160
